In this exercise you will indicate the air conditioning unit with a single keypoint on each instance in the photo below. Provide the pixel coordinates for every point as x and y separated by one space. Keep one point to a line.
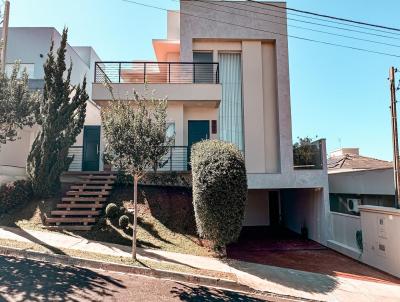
353 205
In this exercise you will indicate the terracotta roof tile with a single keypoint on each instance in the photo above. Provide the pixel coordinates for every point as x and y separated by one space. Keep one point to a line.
357 162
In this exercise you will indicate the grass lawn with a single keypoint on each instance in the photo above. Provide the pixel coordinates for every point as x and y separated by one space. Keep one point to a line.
119 260
165 220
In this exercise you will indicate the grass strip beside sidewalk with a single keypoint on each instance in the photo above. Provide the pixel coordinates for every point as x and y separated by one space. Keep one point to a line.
117 259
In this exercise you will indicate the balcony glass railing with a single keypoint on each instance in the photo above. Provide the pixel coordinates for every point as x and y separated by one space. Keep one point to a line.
156 72
308 156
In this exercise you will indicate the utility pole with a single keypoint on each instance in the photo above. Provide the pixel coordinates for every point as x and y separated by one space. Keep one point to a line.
4 38
395 137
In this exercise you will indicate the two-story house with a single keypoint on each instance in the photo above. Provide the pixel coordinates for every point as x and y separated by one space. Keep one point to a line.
229 80
225 73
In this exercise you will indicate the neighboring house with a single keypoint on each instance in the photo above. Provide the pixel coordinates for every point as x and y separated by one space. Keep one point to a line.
30 46
230 83
356 181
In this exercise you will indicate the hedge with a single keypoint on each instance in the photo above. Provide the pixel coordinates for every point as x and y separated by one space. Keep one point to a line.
14 194
219 190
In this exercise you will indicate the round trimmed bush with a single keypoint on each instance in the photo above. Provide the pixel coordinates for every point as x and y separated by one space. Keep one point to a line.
219 190
122 210
112 210
123 221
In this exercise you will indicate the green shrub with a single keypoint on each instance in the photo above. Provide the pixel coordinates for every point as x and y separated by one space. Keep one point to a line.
122 210
101 223
123 221
219 190
111 210
14 194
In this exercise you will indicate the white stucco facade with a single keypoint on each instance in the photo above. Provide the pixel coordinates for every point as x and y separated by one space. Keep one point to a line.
30 46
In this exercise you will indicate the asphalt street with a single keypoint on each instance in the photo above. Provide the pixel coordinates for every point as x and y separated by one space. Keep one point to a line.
28 280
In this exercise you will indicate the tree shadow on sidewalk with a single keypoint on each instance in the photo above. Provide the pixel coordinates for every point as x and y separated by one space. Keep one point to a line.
200 293
295 279
29 280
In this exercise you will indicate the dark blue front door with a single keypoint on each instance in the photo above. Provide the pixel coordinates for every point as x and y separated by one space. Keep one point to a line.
91 148
197 131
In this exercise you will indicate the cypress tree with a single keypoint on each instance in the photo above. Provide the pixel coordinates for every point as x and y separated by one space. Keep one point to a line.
61 116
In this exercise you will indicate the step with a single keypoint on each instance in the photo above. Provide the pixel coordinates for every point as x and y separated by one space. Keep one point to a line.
95 182
70 227
88 187
97 173
70 219
83 173
94 199
100 176
91 193
80 206
75 213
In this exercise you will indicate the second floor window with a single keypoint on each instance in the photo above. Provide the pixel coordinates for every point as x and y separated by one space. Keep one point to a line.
203 68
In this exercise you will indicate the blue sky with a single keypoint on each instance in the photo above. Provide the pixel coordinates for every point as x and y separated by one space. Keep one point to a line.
338 94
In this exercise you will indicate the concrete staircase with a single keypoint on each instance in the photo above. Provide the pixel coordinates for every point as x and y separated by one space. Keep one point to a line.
83 203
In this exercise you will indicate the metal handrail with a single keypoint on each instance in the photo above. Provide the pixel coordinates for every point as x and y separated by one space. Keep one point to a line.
156 72
175 159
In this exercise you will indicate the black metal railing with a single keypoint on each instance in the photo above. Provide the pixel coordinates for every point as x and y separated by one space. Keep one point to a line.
76 154
156 72
309 156
176 159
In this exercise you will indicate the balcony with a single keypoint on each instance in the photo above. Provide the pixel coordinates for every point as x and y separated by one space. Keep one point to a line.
156 72
179 81
309 156
176 159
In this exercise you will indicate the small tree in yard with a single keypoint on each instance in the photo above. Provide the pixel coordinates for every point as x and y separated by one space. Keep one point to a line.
135 134
61 117
17 104
219 190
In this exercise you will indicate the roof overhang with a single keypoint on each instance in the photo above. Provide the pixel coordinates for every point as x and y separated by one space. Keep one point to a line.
163 47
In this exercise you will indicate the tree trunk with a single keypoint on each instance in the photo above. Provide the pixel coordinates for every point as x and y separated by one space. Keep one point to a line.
135 188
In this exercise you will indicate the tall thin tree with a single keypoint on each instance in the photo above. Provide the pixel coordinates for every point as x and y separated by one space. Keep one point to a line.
61 116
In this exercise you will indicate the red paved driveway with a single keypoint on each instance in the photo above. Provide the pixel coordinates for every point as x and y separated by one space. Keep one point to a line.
283 248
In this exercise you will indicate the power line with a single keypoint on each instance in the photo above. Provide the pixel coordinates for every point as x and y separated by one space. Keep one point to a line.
289 25
326 16
270 32
325 20
301 21
330 21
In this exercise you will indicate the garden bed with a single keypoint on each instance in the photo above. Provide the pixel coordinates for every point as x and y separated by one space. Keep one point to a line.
165 220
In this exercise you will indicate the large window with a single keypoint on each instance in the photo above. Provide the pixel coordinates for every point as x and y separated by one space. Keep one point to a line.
230 109
203 72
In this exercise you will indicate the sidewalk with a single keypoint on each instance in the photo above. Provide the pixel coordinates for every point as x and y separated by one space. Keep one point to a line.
260 277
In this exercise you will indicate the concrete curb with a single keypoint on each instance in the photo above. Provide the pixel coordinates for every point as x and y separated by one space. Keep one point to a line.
162 274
